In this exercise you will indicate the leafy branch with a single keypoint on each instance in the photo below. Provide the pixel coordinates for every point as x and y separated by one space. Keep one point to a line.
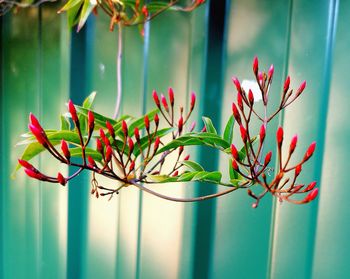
133 151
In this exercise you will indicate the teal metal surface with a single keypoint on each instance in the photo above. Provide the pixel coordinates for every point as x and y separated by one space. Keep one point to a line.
48 231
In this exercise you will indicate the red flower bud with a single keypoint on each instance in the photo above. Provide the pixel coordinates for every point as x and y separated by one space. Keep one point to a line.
145 11
106 141
279 136
34 121
125 128
181 149
310 151
193 125
110 129
131 145
146 120
164 102
108 153
268 158
204 129
180 124
25 164
35 174
61 180
271 71
301 88
298 169
72 111
39 134
237 84
99 145
312 195
255 65
286 84
132 166
102 134
293 144
156 119
187 157
91 161
239 101
261 77
193 100
176 173
262 133
234 152
155 98
311 186
137 133
243 133
236 114
171 96
91 120
156 144
234 165
251 97
65 149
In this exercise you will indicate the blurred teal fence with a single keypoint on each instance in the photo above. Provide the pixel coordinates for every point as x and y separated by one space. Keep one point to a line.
48 231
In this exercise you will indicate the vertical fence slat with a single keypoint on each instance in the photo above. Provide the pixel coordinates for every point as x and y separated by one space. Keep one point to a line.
311 44
242 233
21 223
53 95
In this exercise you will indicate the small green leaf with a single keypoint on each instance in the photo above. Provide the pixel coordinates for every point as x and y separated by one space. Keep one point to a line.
211 177
209 125
85 12
70 4
228 132
77 152
65 124
187 176
193 165
207 139
89 100
236 182
73 14
161 178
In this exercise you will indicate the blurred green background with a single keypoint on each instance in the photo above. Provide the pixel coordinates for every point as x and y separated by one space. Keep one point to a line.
48 231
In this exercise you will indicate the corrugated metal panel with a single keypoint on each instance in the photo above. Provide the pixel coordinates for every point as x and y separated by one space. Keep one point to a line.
56 232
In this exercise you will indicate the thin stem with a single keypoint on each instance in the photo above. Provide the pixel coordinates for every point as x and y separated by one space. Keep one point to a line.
119 71
202 198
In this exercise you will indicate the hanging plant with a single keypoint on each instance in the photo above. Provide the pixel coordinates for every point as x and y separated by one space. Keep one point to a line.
133 151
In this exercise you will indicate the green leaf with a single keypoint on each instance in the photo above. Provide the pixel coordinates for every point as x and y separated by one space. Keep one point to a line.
85 12
236 182
89 100
211 177
73 14
203 176
70 4
65 124
161 178
228 132
193 165
144 140
209 125
207 139
187 176
77 152
139 122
